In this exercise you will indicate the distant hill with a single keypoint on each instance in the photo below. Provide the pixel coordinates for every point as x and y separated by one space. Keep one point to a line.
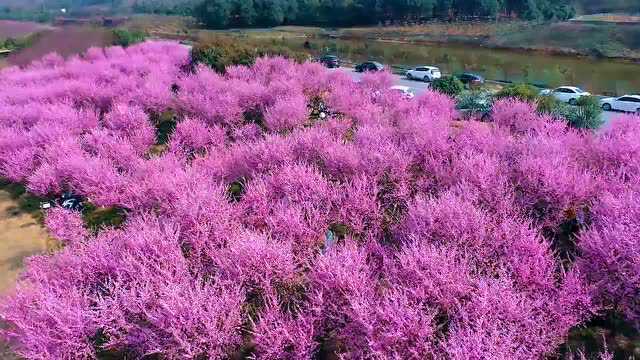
607 6
78 4
43 10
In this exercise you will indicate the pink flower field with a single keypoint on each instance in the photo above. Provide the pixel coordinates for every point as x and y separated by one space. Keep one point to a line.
256 228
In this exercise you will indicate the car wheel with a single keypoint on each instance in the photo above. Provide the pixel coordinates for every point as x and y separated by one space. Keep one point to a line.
426 79
638 111
573 102
409 76
606 107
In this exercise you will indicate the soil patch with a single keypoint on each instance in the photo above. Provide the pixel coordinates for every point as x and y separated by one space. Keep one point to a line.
15 29
66 41
21 236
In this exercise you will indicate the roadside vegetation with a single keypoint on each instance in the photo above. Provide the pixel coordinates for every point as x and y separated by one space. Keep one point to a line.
255 228
449 85
478 104
126 37
16 44
220 52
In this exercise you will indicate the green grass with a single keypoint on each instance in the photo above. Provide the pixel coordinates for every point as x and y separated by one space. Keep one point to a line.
97 218
605 40
26 203
620 337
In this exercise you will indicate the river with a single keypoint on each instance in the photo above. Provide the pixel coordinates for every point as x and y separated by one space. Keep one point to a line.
600 76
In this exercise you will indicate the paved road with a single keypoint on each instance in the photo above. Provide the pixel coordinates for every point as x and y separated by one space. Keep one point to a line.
419 87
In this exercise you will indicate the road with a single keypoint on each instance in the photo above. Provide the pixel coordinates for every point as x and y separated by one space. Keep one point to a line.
418 87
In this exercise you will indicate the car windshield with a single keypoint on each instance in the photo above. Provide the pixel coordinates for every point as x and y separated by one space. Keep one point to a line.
580 90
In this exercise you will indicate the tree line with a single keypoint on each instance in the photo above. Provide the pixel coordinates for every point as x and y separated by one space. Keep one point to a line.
242 13
255 13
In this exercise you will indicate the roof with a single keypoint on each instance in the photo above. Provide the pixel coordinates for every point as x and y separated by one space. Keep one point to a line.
428 67
400 87
633 96
574 88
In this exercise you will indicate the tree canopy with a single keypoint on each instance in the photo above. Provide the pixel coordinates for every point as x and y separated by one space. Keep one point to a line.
237 13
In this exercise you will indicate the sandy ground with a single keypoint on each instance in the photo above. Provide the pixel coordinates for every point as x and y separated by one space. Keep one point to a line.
14 29
20 237
65 41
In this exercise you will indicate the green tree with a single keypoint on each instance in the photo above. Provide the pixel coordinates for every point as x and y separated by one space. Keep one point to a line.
488 7
522 92
125 37
587 114
214 13
309 12
443 8
449 85
244 12
270 12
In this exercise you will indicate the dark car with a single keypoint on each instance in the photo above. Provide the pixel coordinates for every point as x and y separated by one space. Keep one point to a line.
67 201
330 61
369 66
471 79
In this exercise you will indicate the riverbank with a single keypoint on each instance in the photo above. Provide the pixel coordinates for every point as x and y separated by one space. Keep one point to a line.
596 39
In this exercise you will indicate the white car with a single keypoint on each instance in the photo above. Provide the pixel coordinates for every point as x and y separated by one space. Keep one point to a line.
630 103
424 73
568 94
404 91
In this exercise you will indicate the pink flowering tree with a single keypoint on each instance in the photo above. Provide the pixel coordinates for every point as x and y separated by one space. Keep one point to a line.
384 230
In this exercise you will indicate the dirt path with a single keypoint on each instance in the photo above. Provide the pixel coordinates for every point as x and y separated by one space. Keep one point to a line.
20 236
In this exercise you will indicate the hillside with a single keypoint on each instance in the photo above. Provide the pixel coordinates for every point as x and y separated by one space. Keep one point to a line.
605 6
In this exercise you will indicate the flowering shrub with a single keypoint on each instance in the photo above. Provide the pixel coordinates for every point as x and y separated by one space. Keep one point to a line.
260 230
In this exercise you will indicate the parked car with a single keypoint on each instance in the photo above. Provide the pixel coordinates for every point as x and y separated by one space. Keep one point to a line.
369 66
330 61
568 94
424 73
471 79
629 103
404 91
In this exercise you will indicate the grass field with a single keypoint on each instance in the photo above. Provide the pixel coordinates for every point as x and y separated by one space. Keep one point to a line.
607 6
609 18
601 40
64 41
15 29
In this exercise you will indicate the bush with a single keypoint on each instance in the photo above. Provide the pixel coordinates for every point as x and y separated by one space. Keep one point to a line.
521 92
125 37
449 85
587 114
548 104
385 230
476 101
222 52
